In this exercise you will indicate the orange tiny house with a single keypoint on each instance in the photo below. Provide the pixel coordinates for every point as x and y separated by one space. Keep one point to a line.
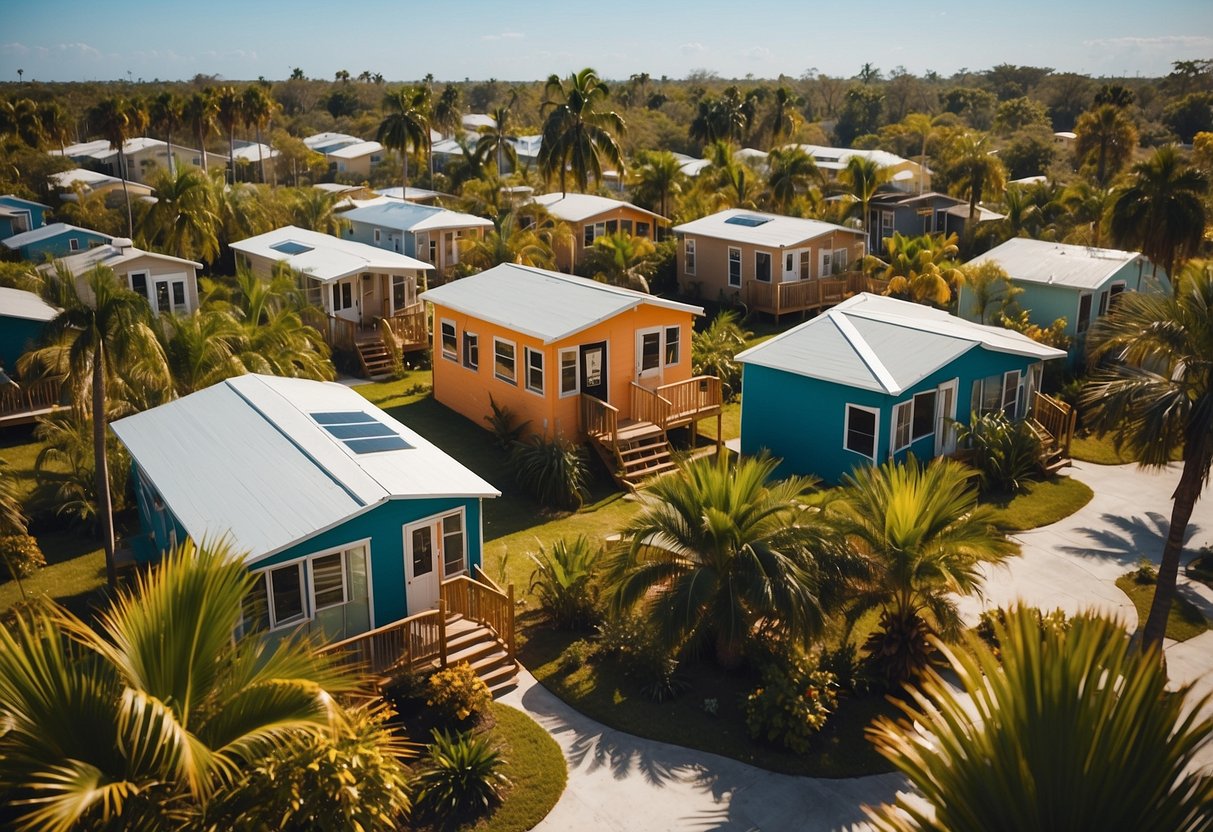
573 358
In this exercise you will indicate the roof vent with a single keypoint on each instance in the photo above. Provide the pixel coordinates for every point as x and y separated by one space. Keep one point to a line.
122 243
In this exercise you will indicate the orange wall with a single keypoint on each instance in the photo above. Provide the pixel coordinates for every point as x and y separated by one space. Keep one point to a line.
467 392
568 257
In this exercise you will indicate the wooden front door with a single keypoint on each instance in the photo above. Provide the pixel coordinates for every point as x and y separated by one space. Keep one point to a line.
593 360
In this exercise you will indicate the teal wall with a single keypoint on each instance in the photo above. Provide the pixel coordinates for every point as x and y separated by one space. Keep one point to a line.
801 420
58 245
364 232
37 213
17 337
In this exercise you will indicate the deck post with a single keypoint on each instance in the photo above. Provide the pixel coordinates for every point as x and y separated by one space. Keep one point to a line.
509 642
719 432
441 633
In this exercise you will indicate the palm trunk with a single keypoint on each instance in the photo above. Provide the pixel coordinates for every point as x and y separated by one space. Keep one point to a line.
172 164
202 150
1185 497
105 507
260 154
231 152
130 220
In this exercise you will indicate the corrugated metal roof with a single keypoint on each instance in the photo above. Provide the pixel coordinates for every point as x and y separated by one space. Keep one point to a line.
244 458
835 158
409 216
539 303
577 207
883 344
355 151
413 193
1058 264
17 303
316 141
37 235
254 152
326 258
111 256
775 230
11 199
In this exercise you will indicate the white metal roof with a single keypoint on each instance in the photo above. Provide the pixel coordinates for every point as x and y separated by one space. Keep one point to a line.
573 207
318 140
18 303
37 235
111 255
247 459
1058 264
883 344
774 229
95 149
90 179
412 194
540 303
409 216
355 151
475 121
322 256
835 158
253 152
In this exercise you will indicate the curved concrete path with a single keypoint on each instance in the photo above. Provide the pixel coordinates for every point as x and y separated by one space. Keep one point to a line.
622 783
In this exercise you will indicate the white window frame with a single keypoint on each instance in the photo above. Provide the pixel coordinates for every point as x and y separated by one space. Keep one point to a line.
453 354
1117 289
846 430
665 346
733 250
463 525
934 414
377 235
770 266
688 255
475 339
528 352
1014 414
338 295
513 346
654 371
886 223
311 580
805 266
900 409
591 232
841 259
73 244
147 284
1103 303
304 592
567 351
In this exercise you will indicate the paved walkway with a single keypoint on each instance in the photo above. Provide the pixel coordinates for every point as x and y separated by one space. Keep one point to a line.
622 783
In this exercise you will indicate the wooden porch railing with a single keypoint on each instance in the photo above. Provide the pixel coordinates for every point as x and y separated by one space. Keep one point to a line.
411 327
406 643
598 418
804 295
676 403
483 604
340 333
649 406
1057 418
29 397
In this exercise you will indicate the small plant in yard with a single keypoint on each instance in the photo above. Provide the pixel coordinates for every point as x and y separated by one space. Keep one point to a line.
555 471
659 678
993 620
900 648
505 425
711 706
21 555
395 356
563 582
460 776
792 703
714 351
458 693
576 655
1145 573
1005 453
846 665
406 690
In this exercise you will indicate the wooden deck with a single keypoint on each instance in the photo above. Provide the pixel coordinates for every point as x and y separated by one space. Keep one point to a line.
409 328
812 295
1053 421
23 404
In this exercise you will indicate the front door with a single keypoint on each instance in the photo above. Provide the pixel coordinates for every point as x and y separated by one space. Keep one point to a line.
945 418
648 357
170 295
593 359
421 569
789 266
345 295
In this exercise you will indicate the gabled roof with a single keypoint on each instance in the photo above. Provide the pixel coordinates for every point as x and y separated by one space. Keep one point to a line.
17 303
413 193
10 199
835 158
902 198
572 207
758 228
249 458
885 345
254 152
113 254
329 141
322 256
540 303
1057 264
409 216
475 121
91 179
37 235
355 151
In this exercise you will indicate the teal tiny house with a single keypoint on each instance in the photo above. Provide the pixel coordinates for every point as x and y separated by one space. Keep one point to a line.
54 241
23 317
351 519
875 378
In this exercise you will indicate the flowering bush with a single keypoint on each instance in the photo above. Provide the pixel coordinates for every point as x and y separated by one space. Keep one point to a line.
792 703
457 693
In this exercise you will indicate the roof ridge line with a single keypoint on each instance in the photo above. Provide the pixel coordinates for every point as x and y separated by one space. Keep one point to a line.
865 351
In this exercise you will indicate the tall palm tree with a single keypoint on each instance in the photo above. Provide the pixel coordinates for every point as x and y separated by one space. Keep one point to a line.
1157 397
621 259
720 119
922 269
258 107
316 210
784 115
921 126
229 110
112 118
53 123
140 723
1161 211
719 551
926 537
577 135
19 119
166 116
198 111
183 220
276 341
496 140
201 348
863 178
508 242
1088 205
975 172
791 174
445 115
658 179
1037 738
1106 141
405 125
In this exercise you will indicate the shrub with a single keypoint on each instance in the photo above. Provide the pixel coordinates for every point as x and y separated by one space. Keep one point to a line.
576 655
457 693
623 635
1145 573
563 582
659 678
793 702
555 471
844 663
21 555
900 648
460 775
1005 453
406 690
506 429
714 350
992 620
388 337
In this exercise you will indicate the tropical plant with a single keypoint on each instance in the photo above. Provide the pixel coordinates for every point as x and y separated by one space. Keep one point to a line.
507 242
921 269
863 177
658 181
1106 141
784 116
316 210
504 424
1006 453
460 775
112 118
791 174
229 112
456 693
199 111
1156 396
1032 741
925 537
720 119
201 349
182 221
257 108
496 141
405 125
141 723
721 552
622 259
65 473
975 172
792 702
563 582
714 351
554 470
577 135
992 289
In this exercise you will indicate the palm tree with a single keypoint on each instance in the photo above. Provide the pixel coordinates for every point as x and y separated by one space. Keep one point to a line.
258 107
1105 143
508 242
721 552
926 538
1157 397
183 220
53 123
790 174
144 721
863 178
577 135
229 110
316 210
724 119
406 124
166 113
784 116
975 172
1161 211
19 119
622 259
922 269
112 118
714 351
1087 205
658 179
199 112
201 349
496 140
921 126
446 115
276 341
1035 738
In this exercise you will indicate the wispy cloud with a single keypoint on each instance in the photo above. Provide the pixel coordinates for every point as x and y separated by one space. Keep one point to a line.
504 36
1166 41
692 48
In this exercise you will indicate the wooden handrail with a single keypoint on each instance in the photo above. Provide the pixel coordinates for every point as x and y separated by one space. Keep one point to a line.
410 326
1056 417
598 418
479 574
404 643
483 604
649 406
41 394
694 395
341 334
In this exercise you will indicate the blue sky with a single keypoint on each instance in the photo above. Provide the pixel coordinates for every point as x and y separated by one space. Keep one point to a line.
70 40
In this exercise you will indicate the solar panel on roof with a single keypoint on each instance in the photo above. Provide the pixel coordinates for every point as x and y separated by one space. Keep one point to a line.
360 431
377 444
749 221
341 417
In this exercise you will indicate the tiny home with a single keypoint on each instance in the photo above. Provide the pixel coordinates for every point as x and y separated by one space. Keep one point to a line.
590 217
54 240
18 215
913 215
142 157
904 174
23 318
94 182
349 519
355 159
427 232
170 284
877 378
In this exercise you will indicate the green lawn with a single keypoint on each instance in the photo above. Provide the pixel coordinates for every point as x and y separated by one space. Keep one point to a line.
1185 620
1040 504
1102 450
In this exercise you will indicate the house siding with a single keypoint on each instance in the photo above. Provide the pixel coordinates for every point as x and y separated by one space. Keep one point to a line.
569 257
17 337
60 245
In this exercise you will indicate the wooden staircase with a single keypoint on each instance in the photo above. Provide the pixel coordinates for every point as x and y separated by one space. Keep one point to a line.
642 451
1053 422
374 356
475 644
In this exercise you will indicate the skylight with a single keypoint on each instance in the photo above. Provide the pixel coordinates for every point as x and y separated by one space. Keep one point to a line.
748 220
359 432
290 247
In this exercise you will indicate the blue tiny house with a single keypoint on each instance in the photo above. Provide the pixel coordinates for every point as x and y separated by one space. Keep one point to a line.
18 215
350 519
877 378
54 241
23 319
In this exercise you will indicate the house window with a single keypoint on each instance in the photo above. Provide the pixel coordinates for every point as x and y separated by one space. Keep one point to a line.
503 361
886 223
73 244
612 227
762 266
343 296
826 267
568 372
788 260
625 226
471 350
1010 394
534 371
673 345
1084 313
902 419
377 234
179 296
399 292
840 259
450 341
734 267
286 594
1103 304
650 351
139 283
593 232
328 581
806 261
689 256
454 548
996 393
433 250
924 415
860 430
1114 292
642 229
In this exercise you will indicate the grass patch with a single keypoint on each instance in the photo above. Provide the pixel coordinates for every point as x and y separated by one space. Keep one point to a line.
1102 450
1040 504
74 574
1185 620
599 690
